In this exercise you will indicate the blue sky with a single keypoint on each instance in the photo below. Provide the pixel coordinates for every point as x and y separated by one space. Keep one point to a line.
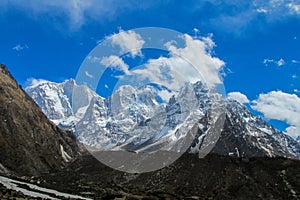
258 40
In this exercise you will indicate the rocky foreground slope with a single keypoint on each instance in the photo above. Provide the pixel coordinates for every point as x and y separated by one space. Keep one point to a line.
212 177
30 144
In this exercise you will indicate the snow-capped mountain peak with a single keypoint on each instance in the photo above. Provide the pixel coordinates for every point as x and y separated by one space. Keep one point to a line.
138 119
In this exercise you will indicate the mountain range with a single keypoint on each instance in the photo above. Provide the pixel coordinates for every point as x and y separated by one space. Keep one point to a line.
42 161
121 120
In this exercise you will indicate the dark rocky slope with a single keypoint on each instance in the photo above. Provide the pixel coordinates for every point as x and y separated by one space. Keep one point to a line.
212 177
30 144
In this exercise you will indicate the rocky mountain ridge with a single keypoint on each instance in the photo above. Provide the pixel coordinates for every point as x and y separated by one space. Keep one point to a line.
30 143
243 134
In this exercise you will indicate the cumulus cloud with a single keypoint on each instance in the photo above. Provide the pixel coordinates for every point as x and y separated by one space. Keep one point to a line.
238 97
20 47
190 63
171 72
128 41
115 62
279 62
280 106
198 53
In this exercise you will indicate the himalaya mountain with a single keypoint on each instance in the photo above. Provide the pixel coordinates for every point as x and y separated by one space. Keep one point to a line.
121 120
33 145
30 143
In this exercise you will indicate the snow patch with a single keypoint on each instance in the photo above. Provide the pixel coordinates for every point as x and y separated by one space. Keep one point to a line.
3 169
64 154
39 191
268 131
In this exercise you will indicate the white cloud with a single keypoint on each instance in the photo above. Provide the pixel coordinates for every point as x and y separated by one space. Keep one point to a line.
266 61
285 7
190 63
115 62
20 47
88 74
94 59
75 12
295 61
280 106
250 11
238 97
293 131
196 30
165 95
128 41
261 10
185 64
170 72
295 8
32 82
197 53
74 9
296 90
279 62
78 12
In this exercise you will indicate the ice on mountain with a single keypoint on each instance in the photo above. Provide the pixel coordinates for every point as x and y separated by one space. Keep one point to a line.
64 154
266 130
142 119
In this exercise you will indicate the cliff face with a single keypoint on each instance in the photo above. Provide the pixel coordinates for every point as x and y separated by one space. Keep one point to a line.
30 144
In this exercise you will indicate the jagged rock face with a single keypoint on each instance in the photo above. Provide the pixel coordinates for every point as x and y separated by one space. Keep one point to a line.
247 135
129 116
30 144
122 120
